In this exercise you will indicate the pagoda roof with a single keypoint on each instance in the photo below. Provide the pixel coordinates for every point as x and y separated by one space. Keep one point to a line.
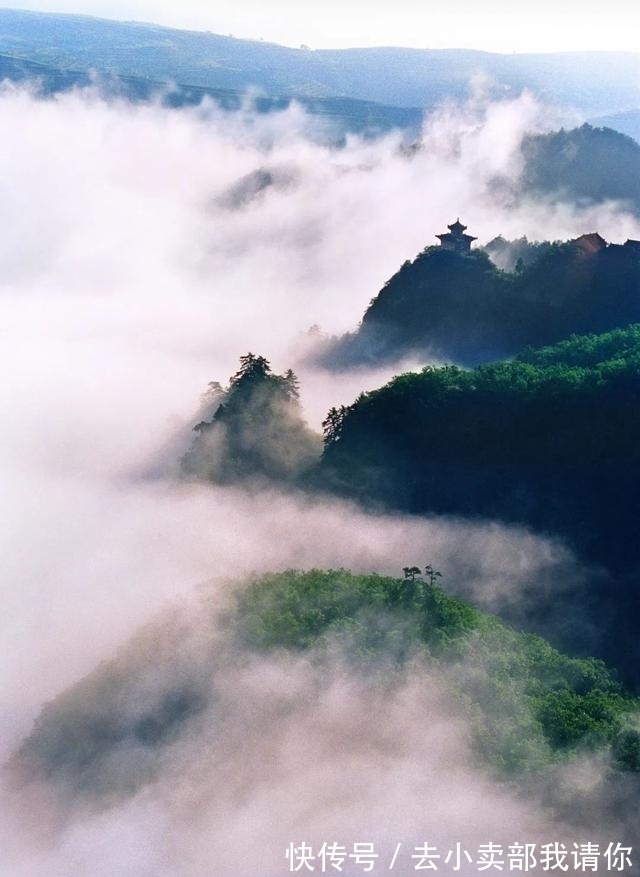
456 237
457 227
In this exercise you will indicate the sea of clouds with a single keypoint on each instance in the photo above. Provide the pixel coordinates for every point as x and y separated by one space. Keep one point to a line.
129 278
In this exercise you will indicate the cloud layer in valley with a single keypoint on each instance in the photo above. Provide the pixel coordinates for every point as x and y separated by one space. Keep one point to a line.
129 278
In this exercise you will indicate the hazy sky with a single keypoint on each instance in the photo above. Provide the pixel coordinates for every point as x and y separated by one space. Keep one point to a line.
494 25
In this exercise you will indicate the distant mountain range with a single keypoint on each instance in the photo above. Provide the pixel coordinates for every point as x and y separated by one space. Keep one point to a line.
337 116
375 88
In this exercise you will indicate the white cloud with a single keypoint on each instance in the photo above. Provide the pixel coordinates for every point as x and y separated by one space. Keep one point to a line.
125 287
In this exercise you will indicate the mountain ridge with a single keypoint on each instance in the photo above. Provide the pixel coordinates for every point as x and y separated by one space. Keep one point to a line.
589 81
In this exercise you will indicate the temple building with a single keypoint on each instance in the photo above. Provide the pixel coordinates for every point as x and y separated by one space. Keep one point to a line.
589 244
456 239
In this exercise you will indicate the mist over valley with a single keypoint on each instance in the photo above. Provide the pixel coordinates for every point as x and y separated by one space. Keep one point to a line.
316 529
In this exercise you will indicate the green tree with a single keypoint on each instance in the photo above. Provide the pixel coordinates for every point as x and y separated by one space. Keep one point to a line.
432 574
257 430
410 572
332 425
252 368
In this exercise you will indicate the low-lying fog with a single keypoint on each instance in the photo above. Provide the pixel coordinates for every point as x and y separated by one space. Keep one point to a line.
142 252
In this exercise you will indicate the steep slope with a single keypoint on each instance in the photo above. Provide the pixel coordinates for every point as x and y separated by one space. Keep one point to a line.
527 706
550 440
461 307
252 430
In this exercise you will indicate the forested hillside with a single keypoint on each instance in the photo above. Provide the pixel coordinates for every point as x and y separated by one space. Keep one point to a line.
528 706
583 164
333 603
462 307
528 440
550 440
252 430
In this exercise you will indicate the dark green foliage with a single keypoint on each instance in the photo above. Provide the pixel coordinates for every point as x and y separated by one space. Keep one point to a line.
564 409
462 307
294 610
332 424
410 572
442 302
627 750
255 430
526 703
528 699
569 718
607 351
550 440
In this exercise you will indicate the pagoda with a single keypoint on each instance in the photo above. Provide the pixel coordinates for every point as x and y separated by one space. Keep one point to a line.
456 239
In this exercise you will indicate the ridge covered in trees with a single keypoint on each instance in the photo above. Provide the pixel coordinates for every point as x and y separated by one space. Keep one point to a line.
550 440
464 308
585 165
530 702
528 706
253 429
